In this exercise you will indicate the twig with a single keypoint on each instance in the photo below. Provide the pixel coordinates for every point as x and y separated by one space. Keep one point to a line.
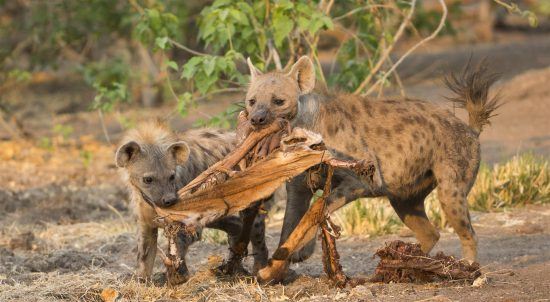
408 52
273 52
189 50
356 10
398 80
103 127
388 50
136 6
222 90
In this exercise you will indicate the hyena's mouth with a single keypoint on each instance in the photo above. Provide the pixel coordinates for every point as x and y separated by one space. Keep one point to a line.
147 199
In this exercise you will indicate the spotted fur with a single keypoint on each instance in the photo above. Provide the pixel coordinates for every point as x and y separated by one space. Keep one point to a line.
418 146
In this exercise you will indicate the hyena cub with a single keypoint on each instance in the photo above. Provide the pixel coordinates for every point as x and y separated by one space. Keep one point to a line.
418 146
155 163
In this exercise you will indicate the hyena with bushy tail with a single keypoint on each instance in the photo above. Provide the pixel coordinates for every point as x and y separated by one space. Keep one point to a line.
155 163
418 145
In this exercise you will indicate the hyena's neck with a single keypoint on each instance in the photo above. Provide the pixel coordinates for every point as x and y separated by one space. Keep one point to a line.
307 115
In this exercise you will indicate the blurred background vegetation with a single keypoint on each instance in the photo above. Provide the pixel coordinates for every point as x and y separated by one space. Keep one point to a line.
135 53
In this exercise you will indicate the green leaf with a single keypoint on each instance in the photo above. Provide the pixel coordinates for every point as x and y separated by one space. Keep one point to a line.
204 82
161 42
209 66
183 103
190 68
282 26
173 65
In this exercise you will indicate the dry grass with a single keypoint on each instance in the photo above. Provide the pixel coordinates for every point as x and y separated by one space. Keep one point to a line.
371 217
88 285
522 180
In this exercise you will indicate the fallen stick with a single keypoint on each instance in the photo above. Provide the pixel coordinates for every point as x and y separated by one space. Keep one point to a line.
331 258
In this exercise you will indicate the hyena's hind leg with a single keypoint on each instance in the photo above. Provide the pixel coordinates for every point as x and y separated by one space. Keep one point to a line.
452 191
412 212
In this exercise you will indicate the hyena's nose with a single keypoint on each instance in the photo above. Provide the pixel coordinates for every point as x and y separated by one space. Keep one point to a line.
168 201
259 118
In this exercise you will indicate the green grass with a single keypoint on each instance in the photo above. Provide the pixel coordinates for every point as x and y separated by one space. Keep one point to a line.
522 180
214 236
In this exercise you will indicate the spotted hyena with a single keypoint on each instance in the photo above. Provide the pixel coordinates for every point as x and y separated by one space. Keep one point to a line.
417 144
155 163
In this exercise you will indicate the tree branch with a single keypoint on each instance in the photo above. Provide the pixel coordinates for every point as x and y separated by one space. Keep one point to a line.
430 37
388 50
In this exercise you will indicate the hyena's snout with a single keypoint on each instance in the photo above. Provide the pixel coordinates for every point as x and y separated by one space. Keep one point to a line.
168 200
260 117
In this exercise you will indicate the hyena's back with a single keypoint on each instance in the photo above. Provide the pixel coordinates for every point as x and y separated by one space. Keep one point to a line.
409 138
207 147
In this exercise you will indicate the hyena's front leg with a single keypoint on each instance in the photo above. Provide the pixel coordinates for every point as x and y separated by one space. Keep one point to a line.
147 250
240 248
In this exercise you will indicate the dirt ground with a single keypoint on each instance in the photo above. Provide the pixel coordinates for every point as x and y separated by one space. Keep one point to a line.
66 232
70 238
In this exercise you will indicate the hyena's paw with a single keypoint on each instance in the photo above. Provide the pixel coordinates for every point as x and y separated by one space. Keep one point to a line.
274 272
174 278
231 267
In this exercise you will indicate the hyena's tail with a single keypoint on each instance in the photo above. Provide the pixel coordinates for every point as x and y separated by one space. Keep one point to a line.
472 93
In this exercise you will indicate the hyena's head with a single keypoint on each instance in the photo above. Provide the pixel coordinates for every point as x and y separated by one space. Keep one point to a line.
275 94
151 169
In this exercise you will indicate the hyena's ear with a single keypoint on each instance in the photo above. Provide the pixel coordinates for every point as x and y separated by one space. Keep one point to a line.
127 153
303 72
254 72
180 151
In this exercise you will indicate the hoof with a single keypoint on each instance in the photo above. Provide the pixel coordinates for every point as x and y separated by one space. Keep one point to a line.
274 272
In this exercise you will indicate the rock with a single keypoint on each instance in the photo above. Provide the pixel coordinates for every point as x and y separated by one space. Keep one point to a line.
481 281
110 295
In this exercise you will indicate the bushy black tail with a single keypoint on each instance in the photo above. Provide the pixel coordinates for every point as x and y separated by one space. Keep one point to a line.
472 93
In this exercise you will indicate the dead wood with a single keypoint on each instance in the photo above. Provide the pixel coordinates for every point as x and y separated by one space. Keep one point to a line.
331 259
267 157
218 171
176 268
296 154
406 263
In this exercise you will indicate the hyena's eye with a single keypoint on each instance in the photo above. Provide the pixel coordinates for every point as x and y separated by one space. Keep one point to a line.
251 102
147 180
172 177
279 102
